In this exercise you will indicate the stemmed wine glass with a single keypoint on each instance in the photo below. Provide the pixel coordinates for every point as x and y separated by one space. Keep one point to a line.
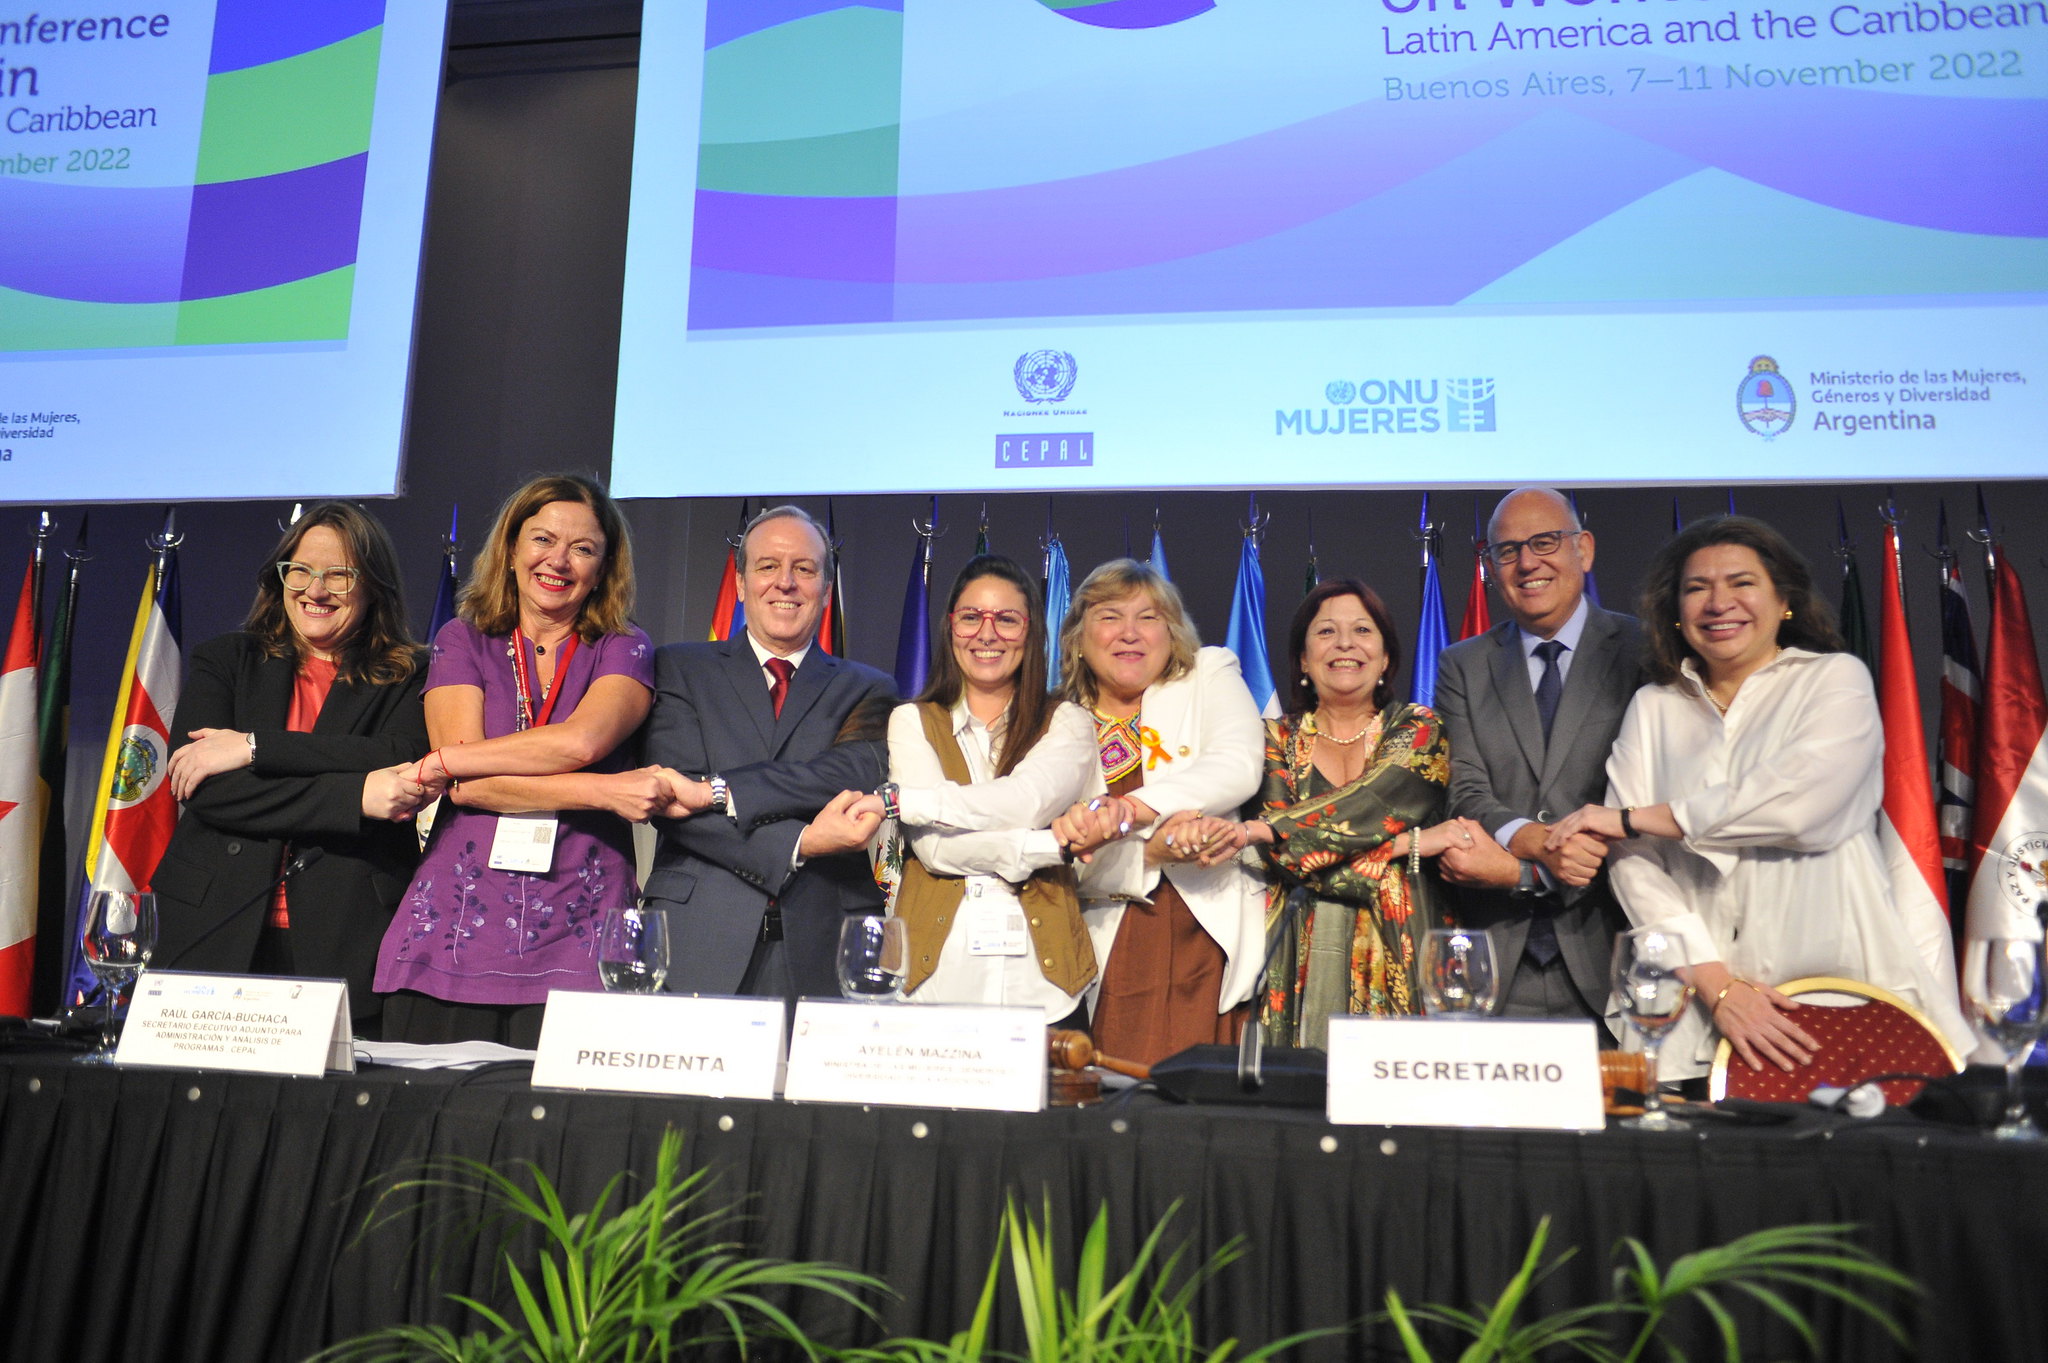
2002 979
1459 979
119 938
632 952
874 959
1652 982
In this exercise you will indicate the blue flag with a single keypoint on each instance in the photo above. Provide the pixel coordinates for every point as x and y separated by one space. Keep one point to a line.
1432 635
1247 634
914 634
1059 593
444 594
1158 559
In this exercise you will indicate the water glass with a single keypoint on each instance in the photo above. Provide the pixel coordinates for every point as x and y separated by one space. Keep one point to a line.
874 958
632 952
1652 983
2002 979
1459 978
119 939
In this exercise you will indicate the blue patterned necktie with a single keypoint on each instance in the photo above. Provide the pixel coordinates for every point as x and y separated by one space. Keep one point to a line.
1550 685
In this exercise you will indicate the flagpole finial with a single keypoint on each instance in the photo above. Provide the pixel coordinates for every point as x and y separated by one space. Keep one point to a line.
77 552
1888 511
1982 537
168 538
1255 528
453 537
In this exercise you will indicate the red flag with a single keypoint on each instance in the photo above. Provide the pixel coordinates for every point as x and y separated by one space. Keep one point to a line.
1908 786
21 807
2009 839
725 616
1478 618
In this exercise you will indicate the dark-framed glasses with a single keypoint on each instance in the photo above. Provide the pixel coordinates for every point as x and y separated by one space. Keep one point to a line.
1505 552
299 578
1008 624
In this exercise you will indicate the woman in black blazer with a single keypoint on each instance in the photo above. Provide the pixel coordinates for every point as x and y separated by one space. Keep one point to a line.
295 745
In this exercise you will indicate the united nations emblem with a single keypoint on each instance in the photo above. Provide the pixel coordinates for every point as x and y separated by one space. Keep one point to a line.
1764 400
1340 392
1045 375
138 766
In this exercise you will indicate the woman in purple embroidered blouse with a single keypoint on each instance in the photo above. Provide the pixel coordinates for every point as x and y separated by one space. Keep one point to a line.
533 695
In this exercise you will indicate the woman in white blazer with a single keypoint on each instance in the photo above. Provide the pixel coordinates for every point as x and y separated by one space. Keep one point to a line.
1179 737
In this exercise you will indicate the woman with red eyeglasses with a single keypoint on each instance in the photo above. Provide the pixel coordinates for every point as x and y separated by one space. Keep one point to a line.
980 765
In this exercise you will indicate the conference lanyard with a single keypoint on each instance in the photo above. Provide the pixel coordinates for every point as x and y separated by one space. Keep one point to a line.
522 681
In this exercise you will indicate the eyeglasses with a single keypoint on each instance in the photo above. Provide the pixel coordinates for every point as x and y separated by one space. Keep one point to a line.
1008 624
299 578
1542 546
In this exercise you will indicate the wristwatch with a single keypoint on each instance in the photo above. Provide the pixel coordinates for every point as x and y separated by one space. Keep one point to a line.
721 797
890 794
1528 887
251 736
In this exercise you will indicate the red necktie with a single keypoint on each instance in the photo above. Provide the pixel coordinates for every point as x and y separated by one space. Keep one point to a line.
779 671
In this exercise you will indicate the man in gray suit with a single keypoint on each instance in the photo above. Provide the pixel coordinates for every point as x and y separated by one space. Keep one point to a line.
1531 709
783 734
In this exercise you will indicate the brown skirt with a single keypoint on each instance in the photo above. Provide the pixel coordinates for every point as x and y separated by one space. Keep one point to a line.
1160 987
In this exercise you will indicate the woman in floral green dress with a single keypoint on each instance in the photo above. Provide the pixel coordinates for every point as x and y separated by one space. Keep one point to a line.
1353 790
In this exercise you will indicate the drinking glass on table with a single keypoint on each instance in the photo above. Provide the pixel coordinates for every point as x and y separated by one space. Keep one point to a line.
1459 979
119 938
874 958
632 952
2002 986
1652 982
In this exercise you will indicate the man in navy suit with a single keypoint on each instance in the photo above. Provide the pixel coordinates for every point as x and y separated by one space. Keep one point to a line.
756 886
1531 708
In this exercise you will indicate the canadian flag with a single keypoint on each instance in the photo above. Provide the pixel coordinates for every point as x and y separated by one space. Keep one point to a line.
21 808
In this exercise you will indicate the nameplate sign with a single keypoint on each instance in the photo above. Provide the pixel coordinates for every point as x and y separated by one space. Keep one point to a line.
265 1024
918 1055
1439 1072
660 1043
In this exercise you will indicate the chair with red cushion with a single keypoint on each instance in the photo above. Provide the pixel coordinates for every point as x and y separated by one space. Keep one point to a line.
1863 1032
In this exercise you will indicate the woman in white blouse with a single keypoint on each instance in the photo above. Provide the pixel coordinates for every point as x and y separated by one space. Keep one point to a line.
1743 804
981 763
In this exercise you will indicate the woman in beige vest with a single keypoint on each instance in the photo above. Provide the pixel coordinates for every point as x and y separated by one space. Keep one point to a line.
981 763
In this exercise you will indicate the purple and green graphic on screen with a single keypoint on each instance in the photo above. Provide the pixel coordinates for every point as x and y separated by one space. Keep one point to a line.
1494 154
195 179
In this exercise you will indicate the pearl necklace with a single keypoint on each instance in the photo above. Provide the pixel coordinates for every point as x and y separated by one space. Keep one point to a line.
1315 730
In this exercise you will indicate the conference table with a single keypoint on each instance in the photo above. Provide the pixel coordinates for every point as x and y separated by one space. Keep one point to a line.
182 1215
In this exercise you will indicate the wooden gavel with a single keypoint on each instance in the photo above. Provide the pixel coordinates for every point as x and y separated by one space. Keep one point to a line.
1076 1051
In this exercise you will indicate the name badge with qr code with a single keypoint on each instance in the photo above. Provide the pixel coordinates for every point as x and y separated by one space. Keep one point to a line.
524 842
995 924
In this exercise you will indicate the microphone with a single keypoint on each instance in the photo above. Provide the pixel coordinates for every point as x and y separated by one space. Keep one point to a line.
1251 1047
1862 1100
298 863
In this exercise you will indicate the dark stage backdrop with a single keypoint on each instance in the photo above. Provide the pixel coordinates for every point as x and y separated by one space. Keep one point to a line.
515 373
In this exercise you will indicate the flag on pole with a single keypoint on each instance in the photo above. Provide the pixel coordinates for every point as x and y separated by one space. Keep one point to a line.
1247 634
1961 687
53 726
1855 618
1059 593
133 814
21 805
1312 576
728 616
444 591
1432 636
832 622
914 633
1158 559
2009 842
1478 616
1908 793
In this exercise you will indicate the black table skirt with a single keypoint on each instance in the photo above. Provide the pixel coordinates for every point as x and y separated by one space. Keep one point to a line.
212 1217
